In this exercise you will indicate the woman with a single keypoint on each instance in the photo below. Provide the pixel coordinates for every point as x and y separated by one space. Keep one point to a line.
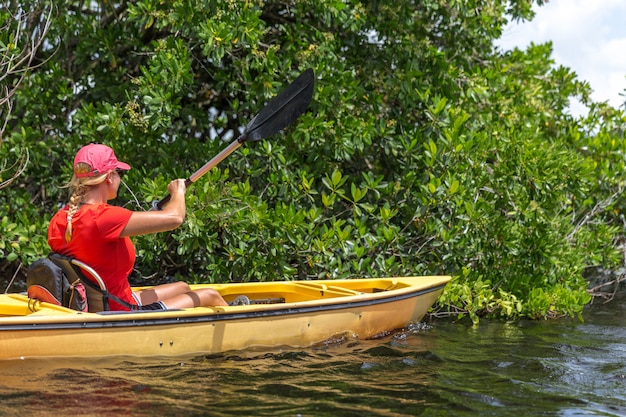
98 234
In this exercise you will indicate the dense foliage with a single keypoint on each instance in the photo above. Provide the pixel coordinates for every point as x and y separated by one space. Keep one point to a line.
425 151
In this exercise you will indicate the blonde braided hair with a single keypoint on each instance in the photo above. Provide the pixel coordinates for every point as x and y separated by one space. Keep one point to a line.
78 189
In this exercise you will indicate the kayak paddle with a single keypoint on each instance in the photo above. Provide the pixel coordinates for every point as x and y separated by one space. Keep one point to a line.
279 113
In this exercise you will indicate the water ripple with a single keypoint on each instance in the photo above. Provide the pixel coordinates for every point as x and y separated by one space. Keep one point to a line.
561 368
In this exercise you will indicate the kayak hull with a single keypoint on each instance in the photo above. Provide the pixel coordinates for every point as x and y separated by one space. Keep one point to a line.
294 314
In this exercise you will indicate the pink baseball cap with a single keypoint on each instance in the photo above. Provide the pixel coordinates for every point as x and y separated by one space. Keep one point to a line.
99 159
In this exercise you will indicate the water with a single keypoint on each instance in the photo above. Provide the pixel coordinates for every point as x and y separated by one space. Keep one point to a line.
531 368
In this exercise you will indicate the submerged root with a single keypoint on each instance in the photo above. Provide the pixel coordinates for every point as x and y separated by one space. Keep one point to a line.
606 284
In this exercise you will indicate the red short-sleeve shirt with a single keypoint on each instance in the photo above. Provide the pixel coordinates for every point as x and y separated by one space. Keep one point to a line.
96 241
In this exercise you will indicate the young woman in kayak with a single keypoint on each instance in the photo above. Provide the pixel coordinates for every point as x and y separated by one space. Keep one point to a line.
98 234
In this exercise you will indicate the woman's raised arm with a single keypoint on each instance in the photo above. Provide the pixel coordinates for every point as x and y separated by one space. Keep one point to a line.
171 217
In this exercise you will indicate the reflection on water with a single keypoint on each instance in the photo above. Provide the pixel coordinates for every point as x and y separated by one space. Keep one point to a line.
555 368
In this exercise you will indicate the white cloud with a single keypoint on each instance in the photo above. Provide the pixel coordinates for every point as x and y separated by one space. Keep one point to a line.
615 53
588 36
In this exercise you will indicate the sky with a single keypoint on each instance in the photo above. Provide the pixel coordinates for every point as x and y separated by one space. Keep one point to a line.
588 36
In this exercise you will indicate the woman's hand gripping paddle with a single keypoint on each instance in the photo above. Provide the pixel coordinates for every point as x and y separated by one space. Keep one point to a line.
279 113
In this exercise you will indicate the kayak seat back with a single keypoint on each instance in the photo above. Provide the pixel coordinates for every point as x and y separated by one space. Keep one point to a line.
97 294
47 282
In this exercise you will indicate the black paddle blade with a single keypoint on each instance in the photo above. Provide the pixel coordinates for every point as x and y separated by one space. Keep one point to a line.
283 109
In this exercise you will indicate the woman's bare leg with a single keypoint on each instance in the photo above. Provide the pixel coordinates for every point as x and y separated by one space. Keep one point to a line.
203 297
180 295
162 292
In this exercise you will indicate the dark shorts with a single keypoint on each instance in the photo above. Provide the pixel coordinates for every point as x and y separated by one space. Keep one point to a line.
154 306
158 305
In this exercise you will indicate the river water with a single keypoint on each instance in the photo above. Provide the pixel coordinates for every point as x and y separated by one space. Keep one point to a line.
443 368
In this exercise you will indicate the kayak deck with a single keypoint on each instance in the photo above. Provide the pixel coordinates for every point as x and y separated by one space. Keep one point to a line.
279 292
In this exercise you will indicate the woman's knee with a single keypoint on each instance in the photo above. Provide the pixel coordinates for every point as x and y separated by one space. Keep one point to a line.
180 286
211 297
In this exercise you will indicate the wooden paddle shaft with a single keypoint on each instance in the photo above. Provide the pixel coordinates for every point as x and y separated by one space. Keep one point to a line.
216 159
158 205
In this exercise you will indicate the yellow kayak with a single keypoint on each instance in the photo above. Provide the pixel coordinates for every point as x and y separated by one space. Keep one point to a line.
286 313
